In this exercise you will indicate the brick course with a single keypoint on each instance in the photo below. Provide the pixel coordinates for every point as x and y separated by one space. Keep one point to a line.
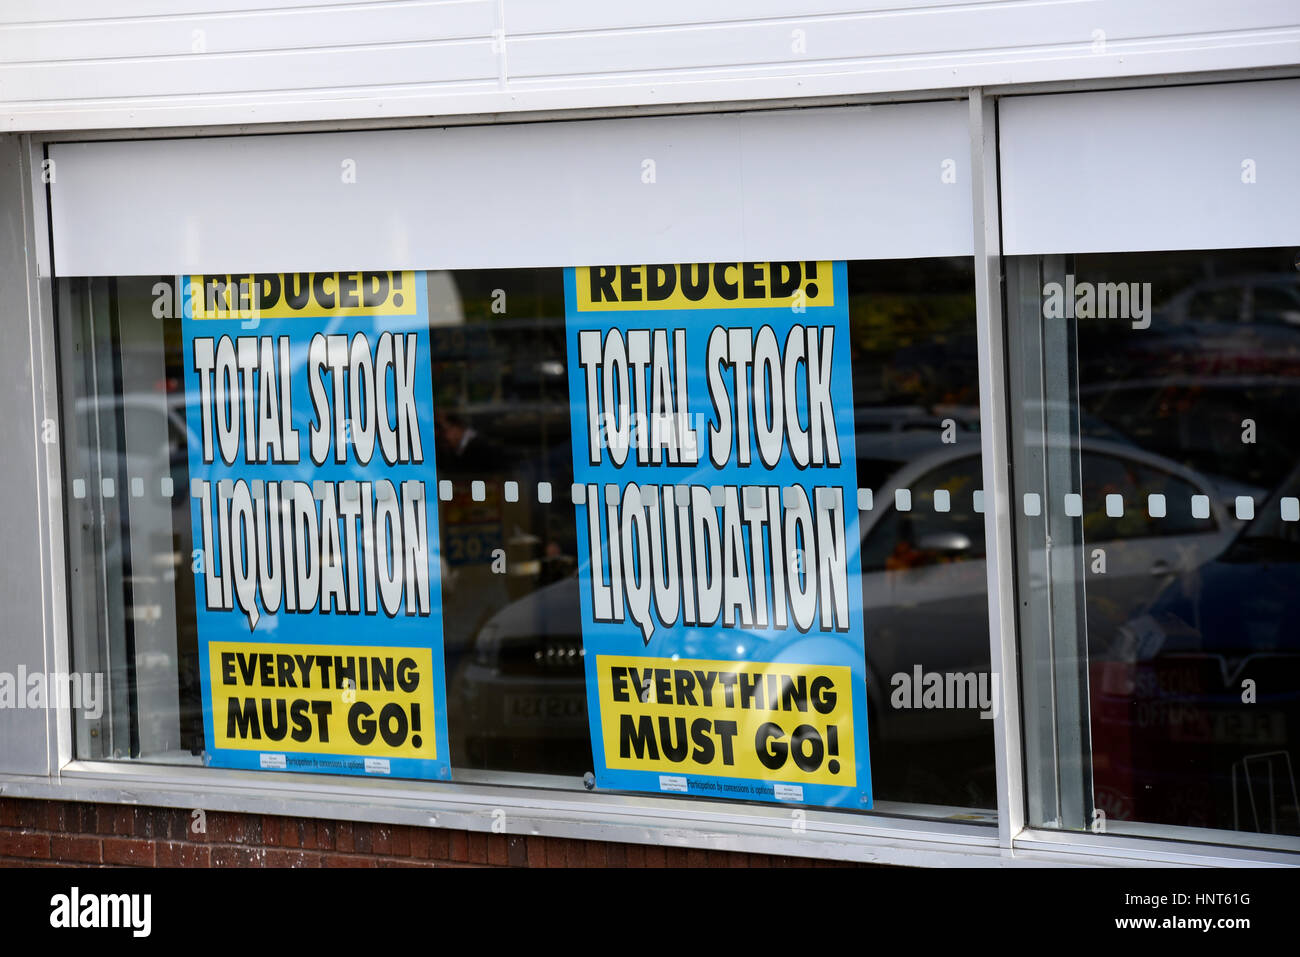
37 832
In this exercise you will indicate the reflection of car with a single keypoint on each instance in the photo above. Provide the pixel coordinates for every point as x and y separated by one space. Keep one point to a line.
1211 384
914 418
160 417
1198 420
522 691
150 454
924 595
924 578
1262 297
1197 702
149 433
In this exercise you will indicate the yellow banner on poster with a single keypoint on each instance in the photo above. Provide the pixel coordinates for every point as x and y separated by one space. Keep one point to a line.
764 285
289 295
772 721
360 700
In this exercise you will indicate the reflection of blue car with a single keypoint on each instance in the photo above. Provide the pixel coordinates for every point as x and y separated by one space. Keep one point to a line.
1197 702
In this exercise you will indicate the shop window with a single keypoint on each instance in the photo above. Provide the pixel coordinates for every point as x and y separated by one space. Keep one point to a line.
1159 575
496 414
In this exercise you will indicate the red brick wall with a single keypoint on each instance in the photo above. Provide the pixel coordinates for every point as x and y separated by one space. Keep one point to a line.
39 832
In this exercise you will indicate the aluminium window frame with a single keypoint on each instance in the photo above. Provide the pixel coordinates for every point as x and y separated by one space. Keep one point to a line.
533 804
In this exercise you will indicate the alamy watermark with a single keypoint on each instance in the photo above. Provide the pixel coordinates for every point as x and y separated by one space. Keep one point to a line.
1104 300
75 909
945 690
636 430
56 689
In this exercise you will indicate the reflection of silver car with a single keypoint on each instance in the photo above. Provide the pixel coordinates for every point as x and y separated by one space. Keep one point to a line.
924 595
1197 419
155 421
135 597
523 685
923 573
1257 297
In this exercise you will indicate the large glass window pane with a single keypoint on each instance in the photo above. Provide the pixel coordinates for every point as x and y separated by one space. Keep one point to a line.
1155 402
508 559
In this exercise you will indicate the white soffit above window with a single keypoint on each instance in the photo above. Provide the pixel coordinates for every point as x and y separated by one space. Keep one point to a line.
846 183
1192 167
67 64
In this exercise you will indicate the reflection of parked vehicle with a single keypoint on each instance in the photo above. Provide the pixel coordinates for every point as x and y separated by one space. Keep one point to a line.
150 455
1257 297
1211 384
523 688
149 432
1196 704
151 414
924 596
914 418
924 579
1197 420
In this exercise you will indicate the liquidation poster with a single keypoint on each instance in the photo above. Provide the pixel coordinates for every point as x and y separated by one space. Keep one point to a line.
315 522
715 496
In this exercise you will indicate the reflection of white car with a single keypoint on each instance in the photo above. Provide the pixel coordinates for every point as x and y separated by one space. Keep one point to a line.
522 690
126 456
1257 297
1207 434
923 572
156 432
520 696
148 433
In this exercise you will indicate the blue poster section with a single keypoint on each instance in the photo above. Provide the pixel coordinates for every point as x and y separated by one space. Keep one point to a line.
315 523
715 493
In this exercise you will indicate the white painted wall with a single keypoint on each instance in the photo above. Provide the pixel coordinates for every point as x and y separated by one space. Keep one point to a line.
83 64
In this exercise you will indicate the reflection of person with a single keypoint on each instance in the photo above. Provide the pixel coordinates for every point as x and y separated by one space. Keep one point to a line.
462 450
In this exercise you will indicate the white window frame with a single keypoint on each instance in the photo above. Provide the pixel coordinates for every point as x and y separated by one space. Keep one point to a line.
533 804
